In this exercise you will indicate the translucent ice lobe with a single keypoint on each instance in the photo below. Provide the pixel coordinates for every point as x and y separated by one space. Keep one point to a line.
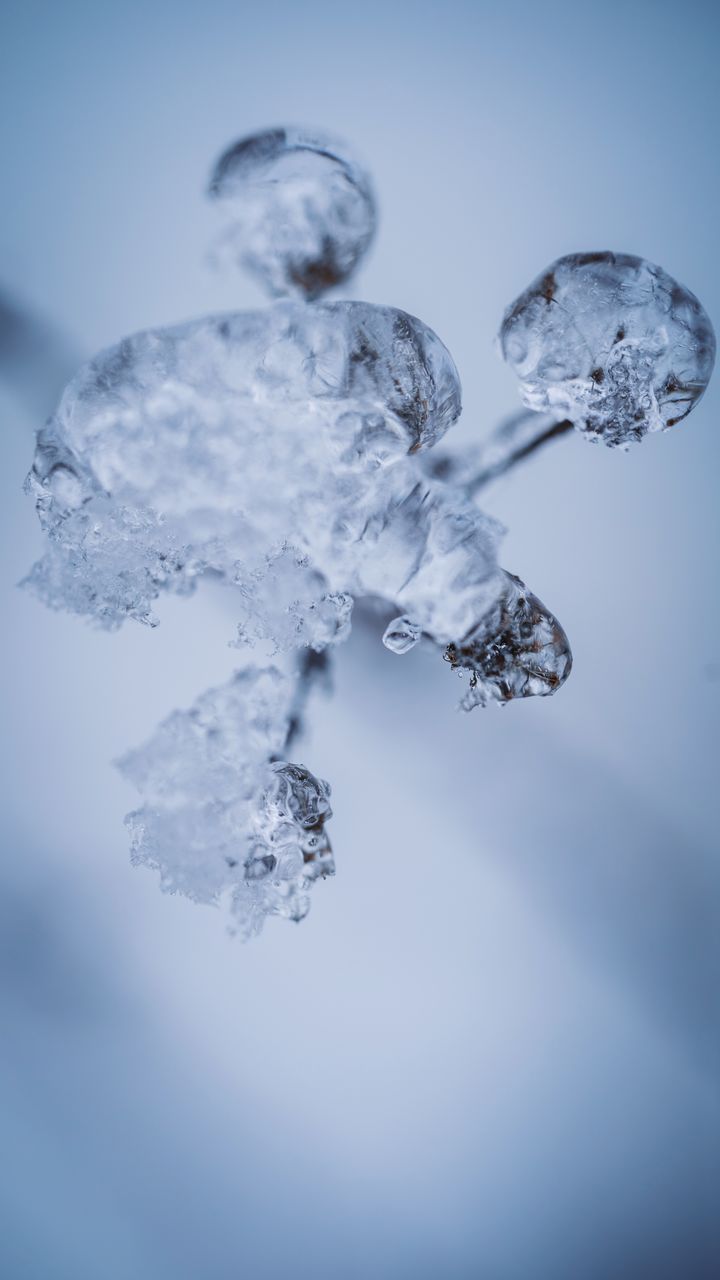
219 820
145 403
238 445
518 650
611 342
299 210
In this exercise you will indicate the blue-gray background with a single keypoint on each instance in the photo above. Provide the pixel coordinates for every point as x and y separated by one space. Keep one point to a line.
491 1051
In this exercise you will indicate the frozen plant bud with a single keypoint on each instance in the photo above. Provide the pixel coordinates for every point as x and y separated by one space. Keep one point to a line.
610 342
401 635
299 209
518 650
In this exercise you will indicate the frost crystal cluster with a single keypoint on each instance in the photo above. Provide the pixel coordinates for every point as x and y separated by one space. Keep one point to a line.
286 452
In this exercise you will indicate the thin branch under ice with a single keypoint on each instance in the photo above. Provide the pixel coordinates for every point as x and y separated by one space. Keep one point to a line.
515 439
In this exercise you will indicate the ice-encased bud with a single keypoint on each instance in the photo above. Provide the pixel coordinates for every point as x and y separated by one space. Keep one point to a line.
299 210
610 342
518 650
401 635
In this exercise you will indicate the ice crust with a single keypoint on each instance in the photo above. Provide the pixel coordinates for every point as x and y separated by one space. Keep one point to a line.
610 342
298 209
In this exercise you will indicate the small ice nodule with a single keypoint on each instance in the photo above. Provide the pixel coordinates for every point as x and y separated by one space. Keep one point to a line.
299 210
223 820
519 650
401 635
611 342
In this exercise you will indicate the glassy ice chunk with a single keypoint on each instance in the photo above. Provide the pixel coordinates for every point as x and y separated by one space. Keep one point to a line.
401 635
519 650
220 822
611 342
246 446
299 209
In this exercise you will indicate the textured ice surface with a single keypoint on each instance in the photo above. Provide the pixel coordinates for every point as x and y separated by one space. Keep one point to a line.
258 447
223 820
519 650
611 342
299 210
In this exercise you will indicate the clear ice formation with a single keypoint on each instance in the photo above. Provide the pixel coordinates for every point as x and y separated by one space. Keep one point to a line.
518 650
298 209
610 342
224 820
285 453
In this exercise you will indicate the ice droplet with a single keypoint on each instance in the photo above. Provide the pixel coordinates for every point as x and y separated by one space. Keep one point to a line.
401 635
219 821
299 209
610 342
518 650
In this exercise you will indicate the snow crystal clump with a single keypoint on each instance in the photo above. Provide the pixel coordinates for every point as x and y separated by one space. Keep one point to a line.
299 210
223 820
610 342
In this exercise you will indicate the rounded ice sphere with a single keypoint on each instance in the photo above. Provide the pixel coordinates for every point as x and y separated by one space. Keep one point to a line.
299 210
610 342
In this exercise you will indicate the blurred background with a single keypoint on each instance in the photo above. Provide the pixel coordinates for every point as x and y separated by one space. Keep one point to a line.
491 1051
